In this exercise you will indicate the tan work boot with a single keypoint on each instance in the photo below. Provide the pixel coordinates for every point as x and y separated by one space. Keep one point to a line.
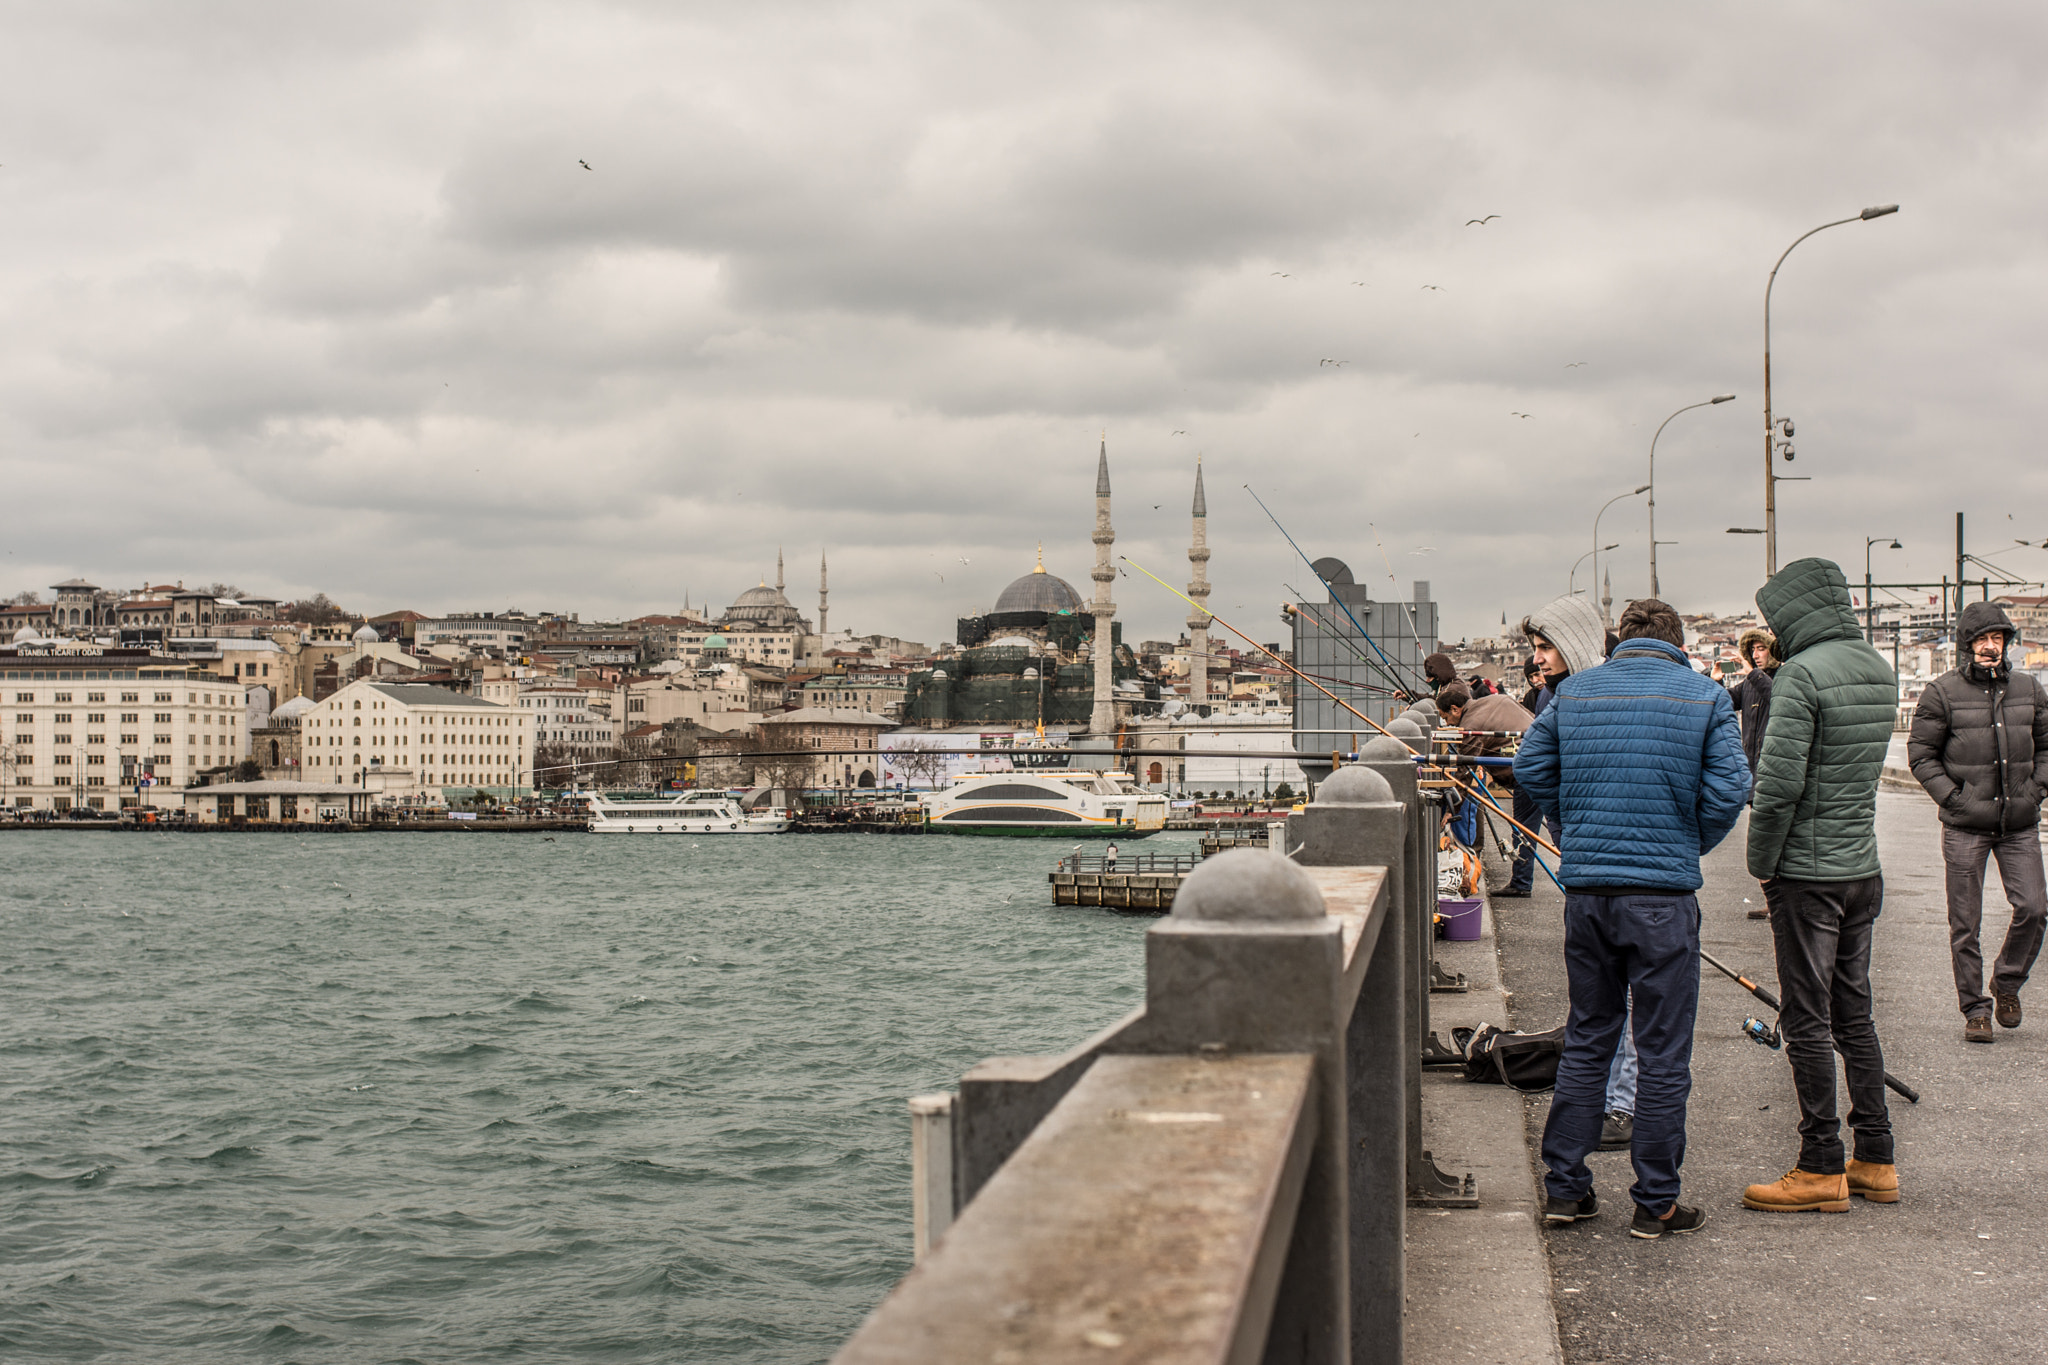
1800 1192
1877 1182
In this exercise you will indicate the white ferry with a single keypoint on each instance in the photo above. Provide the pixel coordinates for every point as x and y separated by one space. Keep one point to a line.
1039 802
691 812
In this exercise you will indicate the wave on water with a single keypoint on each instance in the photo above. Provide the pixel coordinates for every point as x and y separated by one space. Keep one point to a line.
371 1127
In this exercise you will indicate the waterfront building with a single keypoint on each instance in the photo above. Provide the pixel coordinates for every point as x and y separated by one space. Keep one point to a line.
454 742
847 753
101 727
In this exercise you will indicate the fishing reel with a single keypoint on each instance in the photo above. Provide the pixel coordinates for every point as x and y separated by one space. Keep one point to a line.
1762 1034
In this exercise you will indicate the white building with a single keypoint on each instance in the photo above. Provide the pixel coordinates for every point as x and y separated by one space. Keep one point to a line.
99 728
450 741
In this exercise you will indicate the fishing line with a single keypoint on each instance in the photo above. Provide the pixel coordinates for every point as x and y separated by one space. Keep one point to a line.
1455 781
1387 671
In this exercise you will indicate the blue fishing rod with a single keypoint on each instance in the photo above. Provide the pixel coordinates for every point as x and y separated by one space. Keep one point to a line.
1390 668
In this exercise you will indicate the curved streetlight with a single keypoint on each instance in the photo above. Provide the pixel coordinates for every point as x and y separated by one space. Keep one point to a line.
1597 546
1770 426
1706 403
1574 584
1869 601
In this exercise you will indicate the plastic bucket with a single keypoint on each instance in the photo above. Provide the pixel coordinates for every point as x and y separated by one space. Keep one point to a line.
1460 917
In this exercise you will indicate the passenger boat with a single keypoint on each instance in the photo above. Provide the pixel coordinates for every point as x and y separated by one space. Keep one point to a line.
1072 802
691 812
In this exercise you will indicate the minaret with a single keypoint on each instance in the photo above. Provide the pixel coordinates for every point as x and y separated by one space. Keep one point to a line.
823 629
778 568
1102 718
1198 589
1607 599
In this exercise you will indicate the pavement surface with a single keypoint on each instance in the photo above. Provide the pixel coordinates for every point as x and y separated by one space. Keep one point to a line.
1957 1271
1479 1287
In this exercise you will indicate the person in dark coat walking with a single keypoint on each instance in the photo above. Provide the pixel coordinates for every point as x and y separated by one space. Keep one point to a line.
1980 748
1752 696
1813 844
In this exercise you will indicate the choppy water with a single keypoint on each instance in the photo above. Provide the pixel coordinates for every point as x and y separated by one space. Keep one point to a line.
481 1097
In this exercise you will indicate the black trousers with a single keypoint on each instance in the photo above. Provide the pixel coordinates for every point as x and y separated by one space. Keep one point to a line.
1823 933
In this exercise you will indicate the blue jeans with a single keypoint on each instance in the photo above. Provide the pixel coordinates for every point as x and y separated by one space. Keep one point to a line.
1641 947
1621 1077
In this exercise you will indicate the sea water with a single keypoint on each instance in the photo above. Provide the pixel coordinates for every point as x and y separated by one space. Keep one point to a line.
463 1097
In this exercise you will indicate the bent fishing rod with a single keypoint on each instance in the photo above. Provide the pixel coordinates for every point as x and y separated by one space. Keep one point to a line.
1389 669
1769 1037
1275 657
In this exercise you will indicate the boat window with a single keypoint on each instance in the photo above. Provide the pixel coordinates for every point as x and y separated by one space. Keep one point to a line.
1012 791
1003 814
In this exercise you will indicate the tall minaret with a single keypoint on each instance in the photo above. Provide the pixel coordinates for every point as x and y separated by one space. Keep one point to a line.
1198 589
1607 600
778 568
1102 718
823 629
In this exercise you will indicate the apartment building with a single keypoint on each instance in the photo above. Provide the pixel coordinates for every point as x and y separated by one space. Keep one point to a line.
99 728
449 740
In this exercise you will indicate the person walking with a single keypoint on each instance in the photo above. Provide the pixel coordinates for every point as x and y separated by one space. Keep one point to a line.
1813 845
1641 761
1980 747
1753 704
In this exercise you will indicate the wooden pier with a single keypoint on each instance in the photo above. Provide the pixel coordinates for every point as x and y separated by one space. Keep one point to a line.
1136 881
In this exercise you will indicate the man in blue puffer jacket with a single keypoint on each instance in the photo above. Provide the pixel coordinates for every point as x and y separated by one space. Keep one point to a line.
1641 761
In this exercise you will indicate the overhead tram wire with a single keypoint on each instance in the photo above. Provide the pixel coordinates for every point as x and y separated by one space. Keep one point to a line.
1389 671
1455 781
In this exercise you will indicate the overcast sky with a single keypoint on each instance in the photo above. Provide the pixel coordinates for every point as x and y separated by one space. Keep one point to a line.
323 298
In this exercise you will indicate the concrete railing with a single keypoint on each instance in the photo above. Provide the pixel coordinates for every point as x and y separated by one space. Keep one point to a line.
1224 1174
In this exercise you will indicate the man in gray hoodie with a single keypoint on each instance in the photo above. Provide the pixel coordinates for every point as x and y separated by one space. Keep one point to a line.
1980 748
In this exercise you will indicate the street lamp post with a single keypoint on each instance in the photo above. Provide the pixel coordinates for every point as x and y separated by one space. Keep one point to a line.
1598 548
1770 425
1574 584
1706 403
1870 601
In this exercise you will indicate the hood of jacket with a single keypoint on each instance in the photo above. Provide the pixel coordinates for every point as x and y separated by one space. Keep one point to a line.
1980 619
1807 602
1572 624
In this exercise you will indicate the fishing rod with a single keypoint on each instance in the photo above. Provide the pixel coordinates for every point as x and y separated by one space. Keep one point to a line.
1394 584
1388 670
1768 1036
1290 608
1455 781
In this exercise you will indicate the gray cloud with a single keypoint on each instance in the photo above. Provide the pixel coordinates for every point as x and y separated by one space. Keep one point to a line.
324 299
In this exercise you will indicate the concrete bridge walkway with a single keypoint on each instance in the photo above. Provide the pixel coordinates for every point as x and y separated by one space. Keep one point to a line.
1955 1272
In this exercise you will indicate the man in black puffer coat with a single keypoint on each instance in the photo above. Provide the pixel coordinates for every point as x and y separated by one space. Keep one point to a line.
1980 748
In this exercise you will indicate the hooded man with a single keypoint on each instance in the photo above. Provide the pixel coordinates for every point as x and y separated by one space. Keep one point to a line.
1813 844
1980 748
1438 670
1641 761
1566 637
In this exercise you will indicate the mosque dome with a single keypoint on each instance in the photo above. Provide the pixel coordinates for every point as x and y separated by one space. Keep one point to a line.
765 607
1038 591
366 634
26 633
712 642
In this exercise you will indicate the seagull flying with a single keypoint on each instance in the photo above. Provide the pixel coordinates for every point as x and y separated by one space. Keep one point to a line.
1437 287
1321 363
1575 364
1180 433
1521 414
1283 274
584 164
1481 222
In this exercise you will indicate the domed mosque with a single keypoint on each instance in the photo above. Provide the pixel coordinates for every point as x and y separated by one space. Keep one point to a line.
1031 659
765 608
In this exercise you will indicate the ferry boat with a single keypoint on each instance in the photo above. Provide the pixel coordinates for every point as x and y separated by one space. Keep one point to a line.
1079 802
691 812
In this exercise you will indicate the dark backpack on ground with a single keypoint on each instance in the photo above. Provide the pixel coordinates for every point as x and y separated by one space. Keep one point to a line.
1520 1061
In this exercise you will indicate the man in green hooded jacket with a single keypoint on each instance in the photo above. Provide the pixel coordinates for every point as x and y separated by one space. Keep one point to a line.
1813 845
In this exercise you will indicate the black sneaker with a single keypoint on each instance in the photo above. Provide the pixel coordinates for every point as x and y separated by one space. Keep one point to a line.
1517 893
1557 1212
1649 1226
1616 1131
